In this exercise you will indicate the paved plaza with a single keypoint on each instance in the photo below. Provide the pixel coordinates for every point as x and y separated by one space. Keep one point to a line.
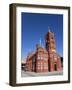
34 74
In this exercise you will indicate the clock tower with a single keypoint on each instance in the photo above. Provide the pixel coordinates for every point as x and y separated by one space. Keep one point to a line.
50 42
54 59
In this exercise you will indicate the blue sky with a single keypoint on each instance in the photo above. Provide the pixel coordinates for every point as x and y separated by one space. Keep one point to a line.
35 26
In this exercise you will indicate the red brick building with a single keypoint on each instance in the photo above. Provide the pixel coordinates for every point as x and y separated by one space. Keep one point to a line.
44 59
38 61
41 59
54 59
30 62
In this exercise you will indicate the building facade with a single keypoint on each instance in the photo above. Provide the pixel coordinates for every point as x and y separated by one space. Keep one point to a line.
38 61
41 59
44 59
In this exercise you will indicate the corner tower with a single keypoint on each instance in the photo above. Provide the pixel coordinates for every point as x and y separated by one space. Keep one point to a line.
54 59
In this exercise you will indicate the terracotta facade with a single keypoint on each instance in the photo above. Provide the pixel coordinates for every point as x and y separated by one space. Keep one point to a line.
44 59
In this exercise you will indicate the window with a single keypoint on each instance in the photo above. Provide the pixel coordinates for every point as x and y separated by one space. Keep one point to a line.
41 57
38 57
38 67
45 67
39 64
45 58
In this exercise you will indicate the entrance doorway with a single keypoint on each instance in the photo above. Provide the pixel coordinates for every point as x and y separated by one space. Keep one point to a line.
55 67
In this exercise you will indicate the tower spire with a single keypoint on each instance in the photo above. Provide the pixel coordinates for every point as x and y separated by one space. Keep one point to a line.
40 41
49 29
